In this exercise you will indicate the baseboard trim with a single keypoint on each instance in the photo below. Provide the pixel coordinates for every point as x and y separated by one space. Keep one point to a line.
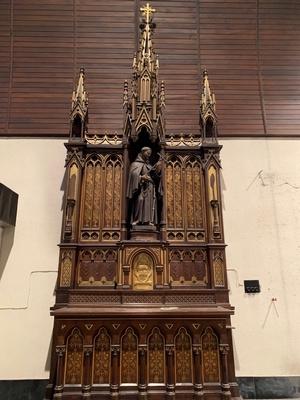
250 387
275 387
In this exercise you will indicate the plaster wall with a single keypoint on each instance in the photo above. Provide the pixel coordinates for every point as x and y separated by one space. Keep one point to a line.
261 201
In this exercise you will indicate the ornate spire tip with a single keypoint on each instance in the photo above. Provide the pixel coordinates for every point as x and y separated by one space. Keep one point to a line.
147 12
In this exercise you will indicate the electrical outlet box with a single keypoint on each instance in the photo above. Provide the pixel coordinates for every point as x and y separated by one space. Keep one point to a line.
252 286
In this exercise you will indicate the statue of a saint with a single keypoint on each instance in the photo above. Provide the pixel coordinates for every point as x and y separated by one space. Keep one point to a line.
144 185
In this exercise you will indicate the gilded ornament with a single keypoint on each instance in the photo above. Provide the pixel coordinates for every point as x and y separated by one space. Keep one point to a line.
142 272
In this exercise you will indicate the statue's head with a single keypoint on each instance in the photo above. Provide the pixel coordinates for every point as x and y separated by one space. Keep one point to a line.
146 153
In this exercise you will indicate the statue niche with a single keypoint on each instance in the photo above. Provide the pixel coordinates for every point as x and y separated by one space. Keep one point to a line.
144 185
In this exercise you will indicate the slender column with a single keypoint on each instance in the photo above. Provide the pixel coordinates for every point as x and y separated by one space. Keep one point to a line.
126 273
224 349
115 353
142 369
58 389
198 385
170 369
87 362
163 223
159 276
124 189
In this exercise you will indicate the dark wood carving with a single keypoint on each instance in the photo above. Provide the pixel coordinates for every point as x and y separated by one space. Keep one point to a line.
210 357
142 301
183 357
102 358
129 357
74 358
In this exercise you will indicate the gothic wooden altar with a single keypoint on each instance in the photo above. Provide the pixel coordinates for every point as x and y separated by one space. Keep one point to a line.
142 303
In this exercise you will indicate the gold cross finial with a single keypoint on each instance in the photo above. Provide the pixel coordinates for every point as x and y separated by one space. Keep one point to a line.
147 11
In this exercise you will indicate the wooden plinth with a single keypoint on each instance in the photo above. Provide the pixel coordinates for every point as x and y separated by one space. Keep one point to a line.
142 233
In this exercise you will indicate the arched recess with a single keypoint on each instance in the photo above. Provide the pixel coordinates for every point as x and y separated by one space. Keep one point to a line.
156 357
72 188
183 357
129 357
210 356
101 357
77 126
74 358
142 267
210 128
214 200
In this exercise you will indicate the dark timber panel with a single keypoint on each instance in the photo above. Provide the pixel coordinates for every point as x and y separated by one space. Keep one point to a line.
229 51
176 43
5 58
280 60
251 49
105 37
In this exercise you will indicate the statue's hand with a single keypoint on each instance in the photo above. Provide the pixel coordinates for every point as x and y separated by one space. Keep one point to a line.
158 166
146 178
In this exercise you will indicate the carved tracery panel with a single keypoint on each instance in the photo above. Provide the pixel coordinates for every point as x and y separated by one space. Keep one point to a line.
101 198
183 357
97 267
188 266
129 357
74 358
210 356
156 357
185 200
101 358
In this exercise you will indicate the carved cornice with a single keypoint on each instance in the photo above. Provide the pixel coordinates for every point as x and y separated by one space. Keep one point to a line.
104 139
183 141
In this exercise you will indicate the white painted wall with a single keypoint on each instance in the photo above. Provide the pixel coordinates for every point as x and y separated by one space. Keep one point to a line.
34 169
262 226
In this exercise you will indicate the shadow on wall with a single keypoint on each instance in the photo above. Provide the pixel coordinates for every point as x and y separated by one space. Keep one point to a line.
6 244
49 355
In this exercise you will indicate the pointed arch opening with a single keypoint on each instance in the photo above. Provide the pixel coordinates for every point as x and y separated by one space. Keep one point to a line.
74 358
76 127
183 357
129 357
210 356
156 357
210 128
101 358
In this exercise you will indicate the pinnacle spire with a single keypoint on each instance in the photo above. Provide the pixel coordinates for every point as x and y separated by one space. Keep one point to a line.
208 98
80 96
145 107
79 108
208 118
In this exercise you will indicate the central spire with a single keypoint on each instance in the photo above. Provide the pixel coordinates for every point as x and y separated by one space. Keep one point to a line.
147 12
146 52
144 108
